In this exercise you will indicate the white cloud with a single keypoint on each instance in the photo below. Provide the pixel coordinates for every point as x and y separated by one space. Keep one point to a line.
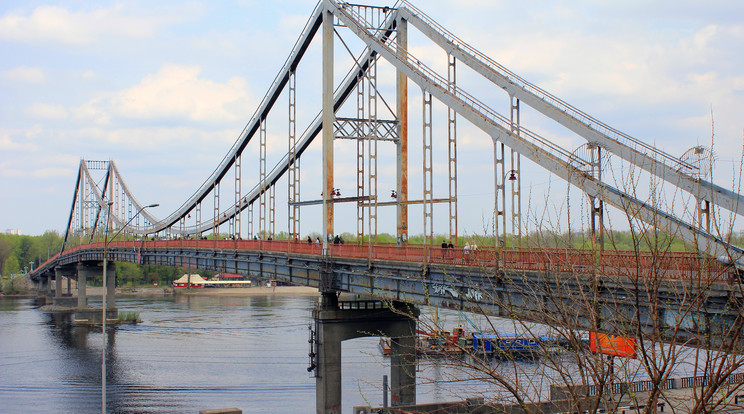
176 91
35 173
92 111
154 139
47 111
59 25
24 74
9 144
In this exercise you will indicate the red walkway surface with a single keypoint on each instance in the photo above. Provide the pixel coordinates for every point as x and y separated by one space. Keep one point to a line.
618 263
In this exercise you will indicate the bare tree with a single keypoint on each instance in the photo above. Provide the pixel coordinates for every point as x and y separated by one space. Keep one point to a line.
682 310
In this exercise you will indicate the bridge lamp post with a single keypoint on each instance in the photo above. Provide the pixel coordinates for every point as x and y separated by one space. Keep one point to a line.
105 289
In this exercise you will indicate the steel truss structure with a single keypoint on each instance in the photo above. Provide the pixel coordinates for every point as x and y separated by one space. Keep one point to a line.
384 32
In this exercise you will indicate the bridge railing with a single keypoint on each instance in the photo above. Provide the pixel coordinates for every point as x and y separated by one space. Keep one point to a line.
671 265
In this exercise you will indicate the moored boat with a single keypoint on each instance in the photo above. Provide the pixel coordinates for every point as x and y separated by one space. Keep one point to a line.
505 345
434 343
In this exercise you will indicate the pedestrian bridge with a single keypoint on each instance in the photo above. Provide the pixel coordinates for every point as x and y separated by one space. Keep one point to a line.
683 296
631 288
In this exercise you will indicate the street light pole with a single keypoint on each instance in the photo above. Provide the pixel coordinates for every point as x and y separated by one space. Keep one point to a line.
106 242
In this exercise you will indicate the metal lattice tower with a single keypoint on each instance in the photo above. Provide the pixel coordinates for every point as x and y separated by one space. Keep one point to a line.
383 31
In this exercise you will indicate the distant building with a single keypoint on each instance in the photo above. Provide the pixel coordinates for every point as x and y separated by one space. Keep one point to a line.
13 232
189 281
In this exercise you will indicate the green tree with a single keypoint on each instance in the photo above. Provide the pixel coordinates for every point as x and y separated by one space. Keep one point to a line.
11 265
128 274
6 249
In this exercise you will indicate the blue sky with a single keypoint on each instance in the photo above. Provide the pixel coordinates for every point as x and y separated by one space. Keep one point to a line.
164 88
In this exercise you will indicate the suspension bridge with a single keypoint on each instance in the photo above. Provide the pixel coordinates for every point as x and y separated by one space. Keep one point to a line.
232 227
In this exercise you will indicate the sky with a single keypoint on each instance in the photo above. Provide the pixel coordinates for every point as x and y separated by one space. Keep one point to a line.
165 88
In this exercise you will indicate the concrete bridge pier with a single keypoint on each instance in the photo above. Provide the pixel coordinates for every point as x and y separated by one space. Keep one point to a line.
43 285
86 271
110 285
58 282
61 299
83 273
337 321
42 288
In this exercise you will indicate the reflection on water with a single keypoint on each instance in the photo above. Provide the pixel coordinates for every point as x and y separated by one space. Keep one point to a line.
189 353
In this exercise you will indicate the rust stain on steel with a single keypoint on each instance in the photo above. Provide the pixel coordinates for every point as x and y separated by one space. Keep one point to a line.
403 195
402 112
403 168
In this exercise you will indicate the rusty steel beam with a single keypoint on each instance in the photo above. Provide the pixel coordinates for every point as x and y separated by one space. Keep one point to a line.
328 119
401 184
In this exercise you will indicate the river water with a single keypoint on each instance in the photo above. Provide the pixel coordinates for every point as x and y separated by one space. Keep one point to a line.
189 353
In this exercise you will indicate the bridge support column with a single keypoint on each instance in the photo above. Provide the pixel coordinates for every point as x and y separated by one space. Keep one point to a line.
61 299
403 369
83 273
43 281
336 322
57 282
111 285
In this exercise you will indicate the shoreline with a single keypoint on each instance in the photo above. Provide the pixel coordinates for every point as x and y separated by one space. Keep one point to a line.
251 291
151 291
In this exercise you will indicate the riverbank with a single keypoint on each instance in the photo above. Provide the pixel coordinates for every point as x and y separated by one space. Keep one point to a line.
251 291
151 291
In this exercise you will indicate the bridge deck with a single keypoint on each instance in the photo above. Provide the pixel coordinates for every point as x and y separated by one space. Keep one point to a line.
674 265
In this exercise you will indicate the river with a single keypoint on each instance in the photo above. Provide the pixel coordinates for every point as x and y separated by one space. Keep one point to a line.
189 353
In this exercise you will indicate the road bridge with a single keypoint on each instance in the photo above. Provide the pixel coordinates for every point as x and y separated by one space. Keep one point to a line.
689 296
